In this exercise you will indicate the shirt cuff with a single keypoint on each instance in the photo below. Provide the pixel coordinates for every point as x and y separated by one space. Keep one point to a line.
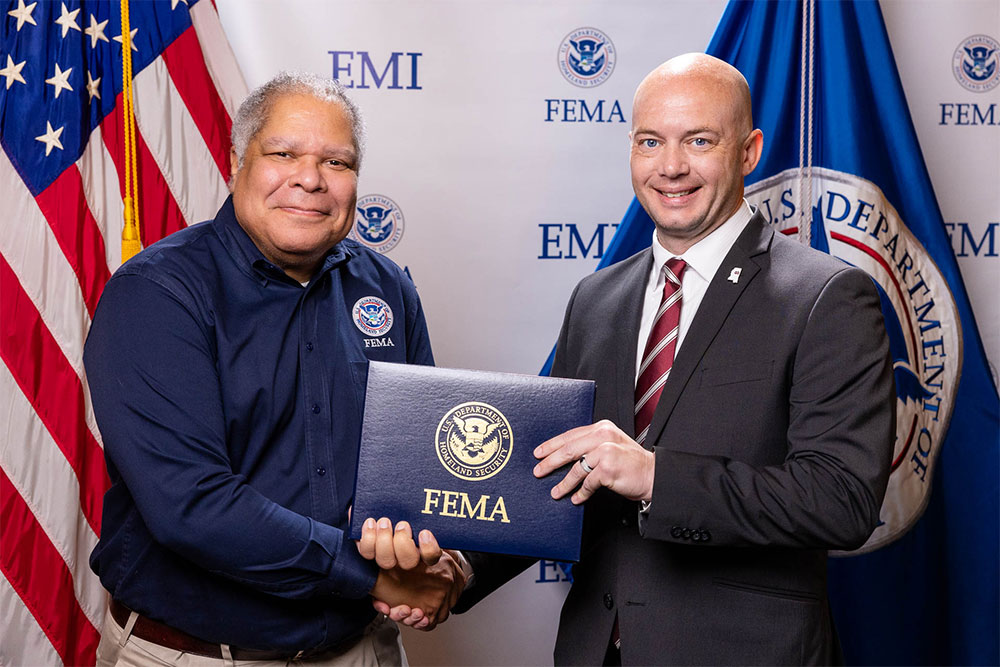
466 566
352 576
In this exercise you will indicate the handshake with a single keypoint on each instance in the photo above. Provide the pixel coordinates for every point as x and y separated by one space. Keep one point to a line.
418 585
415 586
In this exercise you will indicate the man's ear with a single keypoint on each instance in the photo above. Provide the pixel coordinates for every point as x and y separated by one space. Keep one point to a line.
234 166
752 149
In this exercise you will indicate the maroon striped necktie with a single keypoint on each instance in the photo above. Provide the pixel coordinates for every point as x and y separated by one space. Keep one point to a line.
658 356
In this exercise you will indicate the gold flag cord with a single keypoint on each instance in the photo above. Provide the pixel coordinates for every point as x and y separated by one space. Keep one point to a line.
130 232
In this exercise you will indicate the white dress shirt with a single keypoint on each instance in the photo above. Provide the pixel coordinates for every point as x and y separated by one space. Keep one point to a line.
703 260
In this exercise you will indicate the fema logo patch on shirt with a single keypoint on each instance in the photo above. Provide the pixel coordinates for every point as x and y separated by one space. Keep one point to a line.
976 63
372 315
378 223
586 57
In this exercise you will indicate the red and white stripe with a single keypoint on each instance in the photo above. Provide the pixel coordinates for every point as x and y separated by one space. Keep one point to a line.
57 251
658 355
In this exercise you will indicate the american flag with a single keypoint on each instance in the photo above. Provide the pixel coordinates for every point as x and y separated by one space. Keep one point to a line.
61 189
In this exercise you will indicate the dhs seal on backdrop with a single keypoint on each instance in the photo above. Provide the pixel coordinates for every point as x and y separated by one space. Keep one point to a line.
372 316
473 441
976 63
378 223
586 57
853 221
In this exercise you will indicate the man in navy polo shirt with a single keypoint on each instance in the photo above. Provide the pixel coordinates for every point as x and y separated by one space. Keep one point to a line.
227 366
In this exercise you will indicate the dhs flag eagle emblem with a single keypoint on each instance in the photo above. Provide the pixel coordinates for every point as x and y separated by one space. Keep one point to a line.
378 223
854 221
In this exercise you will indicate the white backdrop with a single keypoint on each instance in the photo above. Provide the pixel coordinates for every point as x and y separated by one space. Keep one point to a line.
509 178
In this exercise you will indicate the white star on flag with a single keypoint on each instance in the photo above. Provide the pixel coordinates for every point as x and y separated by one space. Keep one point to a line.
96 31
13 72
174 3
50 138
60 81
67 19
93 86
131 38
23 14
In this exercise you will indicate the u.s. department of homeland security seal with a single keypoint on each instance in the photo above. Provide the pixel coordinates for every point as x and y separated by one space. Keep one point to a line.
854 221
372 316
976 63
473 441
586 57
378 223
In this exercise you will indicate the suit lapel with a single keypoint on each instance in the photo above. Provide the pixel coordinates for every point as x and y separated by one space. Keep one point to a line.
627 316
718 302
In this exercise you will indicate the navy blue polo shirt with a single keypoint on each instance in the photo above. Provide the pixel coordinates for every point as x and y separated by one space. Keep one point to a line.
229 400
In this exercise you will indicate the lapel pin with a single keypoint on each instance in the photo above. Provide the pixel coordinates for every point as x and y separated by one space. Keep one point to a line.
734 275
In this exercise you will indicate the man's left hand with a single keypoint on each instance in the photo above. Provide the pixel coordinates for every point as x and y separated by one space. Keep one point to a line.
615 461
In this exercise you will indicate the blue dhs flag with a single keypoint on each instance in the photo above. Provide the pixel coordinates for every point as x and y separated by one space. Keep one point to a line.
842 170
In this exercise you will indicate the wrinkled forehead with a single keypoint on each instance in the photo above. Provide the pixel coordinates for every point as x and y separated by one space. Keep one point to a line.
294 104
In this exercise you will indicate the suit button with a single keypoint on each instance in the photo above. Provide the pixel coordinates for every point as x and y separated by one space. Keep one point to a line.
686 534
624 521
609 601
705 536
675 532
696 536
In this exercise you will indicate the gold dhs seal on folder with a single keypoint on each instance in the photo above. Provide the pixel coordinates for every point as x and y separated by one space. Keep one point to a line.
474 440
451 451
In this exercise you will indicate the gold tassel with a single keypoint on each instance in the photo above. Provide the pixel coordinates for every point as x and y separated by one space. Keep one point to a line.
131 245
131 241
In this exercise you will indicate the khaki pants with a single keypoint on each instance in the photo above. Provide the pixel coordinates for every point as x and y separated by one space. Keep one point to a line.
381 646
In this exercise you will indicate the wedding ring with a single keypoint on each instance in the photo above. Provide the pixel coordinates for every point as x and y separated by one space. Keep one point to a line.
583 464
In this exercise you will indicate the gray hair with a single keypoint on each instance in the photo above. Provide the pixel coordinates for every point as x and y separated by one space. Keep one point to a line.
255 109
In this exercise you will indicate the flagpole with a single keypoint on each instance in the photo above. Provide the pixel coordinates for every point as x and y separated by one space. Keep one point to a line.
807 53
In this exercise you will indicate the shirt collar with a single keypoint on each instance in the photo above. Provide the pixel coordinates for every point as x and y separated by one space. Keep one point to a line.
705 256
249 257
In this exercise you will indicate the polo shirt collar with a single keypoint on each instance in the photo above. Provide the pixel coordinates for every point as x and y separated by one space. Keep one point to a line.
252 261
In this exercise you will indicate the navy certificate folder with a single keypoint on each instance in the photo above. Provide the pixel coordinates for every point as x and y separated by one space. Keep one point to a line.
451 450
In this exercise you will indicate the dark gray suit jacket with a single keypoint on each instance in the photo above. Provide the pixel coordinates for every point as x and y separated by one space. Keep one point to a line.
773 439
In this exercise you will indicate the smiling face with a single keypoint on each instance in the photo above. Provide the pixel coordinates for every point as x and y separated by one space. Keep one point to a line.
691 146
297 188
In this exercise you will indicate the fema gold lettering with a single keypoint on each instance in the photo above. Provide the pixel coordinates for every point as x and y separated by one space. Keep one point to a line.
500 509
430 498
450 503
469 510
459 505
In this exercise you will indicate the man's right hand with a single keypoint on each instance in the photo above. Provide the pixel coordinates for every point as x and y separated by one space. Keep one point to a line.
415 587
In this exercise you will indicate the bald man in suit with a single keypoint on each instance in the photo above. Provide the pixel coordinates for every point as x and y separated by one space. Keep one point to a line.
745 404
